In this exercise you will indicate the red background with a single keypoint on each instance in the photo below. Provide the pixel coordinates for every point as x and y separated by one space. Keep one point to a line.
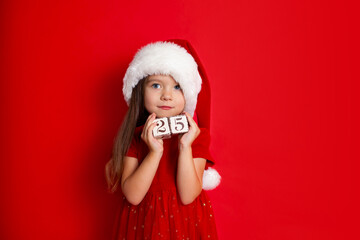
284 124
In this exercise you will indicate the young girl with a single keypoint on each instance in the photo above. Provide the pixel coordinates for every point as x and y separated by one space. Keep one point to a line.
161 180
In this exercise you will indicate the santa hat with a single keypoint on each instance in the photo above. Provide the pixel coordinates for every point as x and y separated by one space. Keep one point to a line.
177 58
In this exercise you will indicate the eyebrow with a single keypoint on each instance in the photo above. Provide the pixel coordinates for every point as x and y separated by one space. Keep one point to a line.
148 80
153 80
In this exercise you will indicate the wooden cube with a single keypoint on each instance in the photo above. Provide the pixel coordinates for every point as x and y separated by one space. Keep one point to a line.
162 128
179 124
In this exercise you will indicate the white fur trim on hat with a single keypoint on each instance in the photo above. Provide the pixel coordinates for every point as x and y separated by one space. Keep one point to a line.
165 58
211 179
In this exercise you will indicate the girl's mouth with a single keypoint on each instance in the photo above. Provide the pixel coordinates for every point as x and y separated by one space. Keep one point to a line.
165 107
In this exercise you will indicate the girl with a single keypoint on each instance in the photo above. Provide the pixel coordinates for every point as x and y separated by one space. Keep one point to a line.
161 180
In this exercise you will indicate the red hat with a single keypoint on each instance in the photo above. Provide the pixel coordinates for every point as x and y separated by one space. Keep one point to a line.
204 97
211 178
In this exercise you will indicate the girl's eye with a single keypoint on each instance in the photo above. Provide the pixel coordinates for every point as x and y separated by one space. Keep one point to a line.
155 85
177 87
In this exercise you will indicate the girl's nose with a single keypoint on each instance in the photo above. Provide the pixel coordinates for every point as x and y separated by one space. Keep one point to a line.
166 95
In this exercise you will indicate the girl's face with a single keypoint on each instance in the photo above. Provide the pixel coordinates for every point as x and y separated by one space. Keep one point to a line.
163 96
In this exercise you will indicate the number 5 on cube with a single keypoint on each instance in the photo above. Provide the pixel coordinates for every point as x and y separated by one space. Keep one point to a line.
179 124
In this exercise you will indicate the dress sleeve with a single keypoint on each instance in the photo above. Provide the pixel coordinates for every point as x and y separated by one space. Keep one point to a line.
200 147
132 152
135 145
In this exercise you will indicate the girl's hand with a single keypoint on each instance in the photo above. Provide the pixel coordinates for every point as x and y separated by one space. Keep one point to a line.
188 138
154 145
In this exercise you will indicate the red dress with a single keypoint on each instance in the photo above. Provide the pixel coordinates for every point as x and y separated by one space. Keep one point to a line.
161 215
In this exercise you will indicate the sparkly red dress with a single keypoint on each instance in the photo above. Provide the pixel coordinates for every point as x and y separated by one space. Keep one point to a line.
161 215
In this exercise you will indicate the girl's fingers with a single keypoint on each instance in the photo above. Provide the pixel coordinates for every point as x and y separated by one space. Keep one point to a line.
150 129
149 120
190 119
154 143
194 128
147 135
152 125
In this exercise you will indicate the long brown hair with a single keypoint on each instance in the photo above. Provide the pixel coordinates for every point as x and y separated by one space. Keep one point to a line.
135 116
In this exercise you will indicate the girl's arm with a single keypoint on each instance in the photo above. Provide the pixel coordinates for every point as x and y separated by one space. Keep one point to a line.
190 170
136 179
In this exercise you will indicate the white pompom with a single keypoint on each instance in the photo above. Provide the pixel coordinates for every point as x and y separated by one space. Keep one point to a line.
211 179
